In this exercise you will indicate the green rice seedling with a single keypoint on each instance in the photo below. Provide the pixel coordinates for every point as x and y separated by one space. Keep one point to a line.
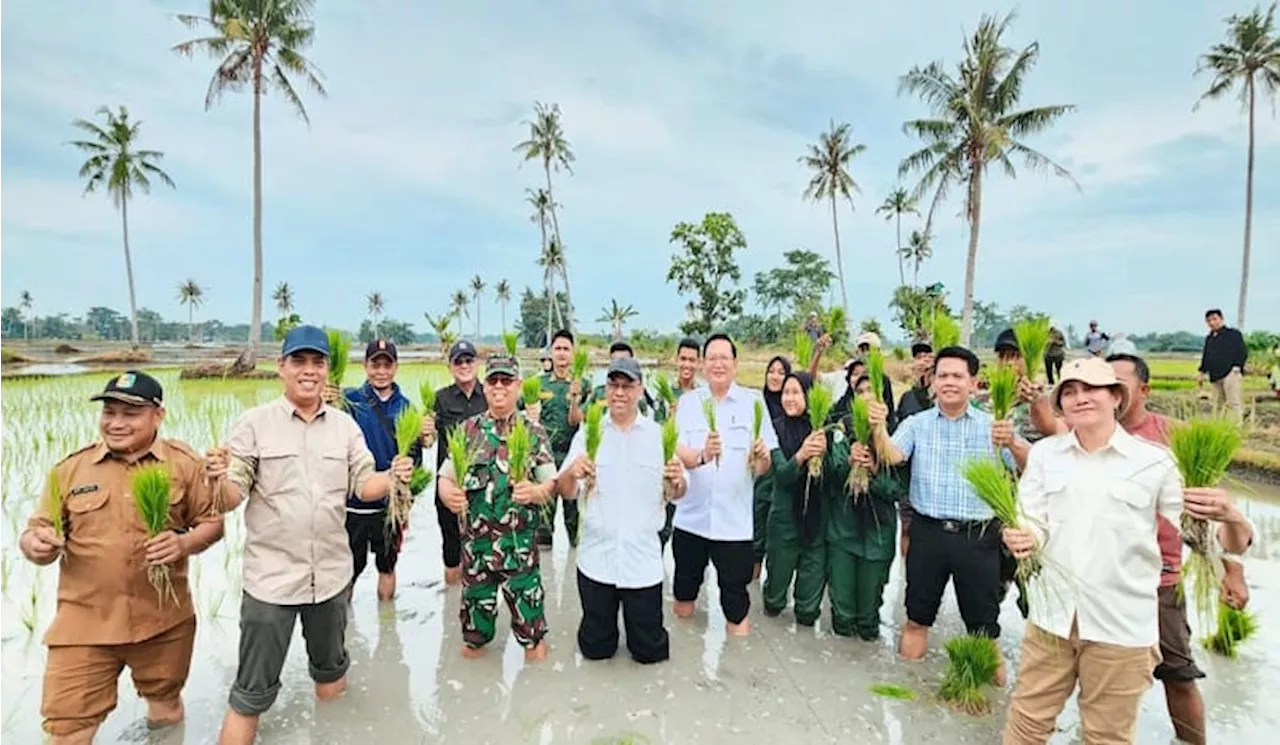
670 438
421 480
996 487
757 422
1033 339
1002 386
581 361
819 403
803 350
594 426
31 609
511 342
875 372
151 496
339 354
890 690
859 475
459 447
1203 448
400 502
836 323
709 413
1234 627
946 332
531 395
974 662
53 506
664 390
519 451
427 392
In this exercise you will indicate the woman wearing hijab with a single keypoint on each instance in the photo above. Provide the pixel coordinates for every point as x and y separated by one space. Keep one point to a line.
774 374
796 533
861 529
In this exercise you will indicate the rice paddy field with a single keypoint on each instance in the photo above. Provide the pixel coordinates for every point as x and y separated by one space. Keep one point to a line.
408 683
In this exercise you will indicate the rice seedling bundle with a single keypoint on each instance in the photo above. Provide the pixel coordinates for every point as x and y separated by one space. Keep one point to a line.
408 431
581 361
875 372
757 421
803 350
511 342
1234 627
151 496
859 475
459 448
421 480
665 391
1002 387
427 392
594 426
531 394
670 438
519 448
819 404
1033 339
946 332
837 322
709 413
339 354
996 487
53 506
974 661
1203 448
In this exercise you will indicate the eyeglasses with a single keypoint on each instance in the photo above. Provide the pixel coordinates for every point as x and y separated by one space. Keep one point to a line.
501 381
463 361
620 385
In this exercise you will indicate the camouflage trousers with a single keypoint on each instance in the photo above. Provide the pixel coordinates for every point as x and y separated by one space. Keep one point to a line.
522 591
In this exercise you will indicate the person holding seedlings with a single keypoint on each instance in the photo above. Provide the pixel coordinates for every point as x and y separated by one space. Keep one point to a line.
1177 670
866 340
619 350
294 461
455 403
797 519
914 401
950 525
1222 361
563 397
1091 499
619 561
108 615
715 520
688 355
509 476
1008 353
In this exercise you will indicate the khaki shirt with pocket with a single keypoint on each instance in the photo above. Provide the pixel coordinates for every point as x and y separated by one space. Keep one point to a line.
104 596
296 476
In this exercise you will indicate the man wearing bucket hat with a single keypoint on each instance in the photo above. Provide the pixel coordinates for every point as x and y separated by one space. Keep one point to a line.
108 617
295 460
1092 497
1177 670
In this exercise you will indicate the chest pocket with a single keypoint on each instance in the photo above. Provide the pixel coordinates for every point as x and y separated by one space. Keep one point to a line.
88 517
279 466
736 437
1130 503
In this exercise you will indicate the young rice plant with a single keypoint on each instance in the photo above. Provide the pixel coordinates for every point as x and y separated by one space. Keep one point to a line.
151 496
1033 339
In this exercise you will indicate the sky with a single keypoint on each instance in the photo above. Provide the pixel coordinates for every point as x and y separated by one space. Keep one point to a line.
406 181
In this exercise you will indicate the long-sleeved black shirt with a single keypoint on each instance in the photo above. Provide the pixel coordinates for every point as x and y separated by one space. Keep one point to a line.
1223 350
452 408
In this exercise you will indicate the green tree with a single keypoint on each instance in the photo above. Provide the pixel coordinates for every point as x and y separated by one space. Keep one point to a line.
704 266
616 316
1249 57
398 332
829 160
283 297
976 124
460 302
534 312
375 304
259 45
191 294
913 309
898 203
117 164
477 291
547 143
25 302
502 293
552 263
440 327
918 249
798 286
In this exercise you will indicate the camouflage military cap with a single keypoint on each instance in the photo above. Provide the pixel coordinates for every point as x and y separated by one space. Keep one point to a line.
502 364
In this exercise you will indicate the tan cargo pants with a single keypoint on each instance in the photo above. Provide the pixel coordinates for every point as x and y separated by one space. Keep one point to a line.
1229 392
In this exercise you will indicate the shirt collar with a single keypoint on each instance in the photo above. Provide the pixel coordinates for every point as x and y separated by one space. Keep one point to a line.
292 411
1120 441
368 390
969 410
158 450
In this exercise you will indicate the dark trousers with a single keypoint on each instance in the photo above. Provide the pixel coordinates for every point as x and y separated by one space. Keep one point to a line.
367 533
265 632
1053 367
450 536
547 524
641 617
732 560
968 554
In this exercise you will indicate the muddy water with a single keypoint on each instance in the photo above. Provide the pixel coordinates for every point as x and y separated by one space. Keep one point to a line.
408 683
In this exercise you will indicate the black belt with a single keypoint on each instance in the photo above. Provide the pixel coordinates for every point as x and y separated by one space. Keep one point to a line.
954 526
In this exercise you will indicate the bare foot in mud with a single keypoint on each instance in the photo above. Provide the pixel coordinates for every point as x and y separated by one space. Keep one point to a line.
682 610
164 713
739 629
330 691
472 653
452 575
537 653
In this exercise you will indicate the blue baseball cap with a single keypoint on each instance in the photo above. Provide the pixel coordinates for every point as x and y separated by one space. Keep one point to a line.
305 339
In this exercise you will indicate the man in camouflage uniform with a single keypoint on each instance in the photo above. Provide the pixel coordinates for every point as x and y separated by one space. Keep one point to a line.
647 408
563 400
499 550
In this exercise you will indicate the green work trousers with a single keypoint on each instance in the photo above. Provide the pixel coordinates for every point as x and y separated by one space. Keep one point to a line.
788 559
856 591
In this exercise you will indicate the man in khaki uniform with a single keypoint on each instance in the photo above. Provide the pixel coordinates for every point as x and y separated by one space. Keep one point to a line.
109 616
295 460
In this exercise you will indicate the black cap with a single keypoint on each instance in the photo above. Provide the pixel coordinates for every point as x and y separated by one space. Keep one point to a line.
921 347
133 387
461 348
381 348
1007 340
625 366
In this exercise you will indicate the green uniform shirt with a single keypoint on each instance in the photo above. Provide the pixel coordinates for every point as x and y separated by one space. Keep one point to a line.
789 483
868 527
555 411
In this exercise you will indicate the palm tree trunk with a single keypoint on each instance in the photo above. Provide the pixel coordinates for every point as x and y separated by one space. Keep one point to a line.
477 317
255 319
1248 217
915 275
844 294
902 273
975 221
128 270
502 306
191 324
555 226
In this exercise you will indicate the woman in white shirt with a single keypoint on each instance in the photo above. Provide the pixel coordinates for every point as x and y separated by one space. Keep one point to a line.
1091 499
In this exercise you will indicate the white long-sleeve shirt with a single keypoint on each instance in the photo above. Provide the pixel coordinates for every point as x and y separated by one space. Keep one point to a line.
1095 516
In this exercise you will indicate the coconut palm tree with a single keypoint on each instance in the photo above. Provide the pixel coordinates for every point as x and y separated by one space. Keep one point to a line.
477 291
552 263
976 124
258 45
440 325
616 316
25 301
191 294
917 250
375 304
1248 58
283 297
502 293
898 203
547 143
118 165
829 160
460 303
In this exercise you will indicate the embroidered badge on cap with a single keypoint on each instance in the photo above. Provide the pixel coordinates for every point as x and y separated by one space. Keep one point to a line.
126 380
382 344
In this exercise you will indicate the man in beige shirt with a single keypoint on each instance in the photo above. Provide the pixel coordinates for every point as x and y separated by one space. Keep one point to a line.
295 460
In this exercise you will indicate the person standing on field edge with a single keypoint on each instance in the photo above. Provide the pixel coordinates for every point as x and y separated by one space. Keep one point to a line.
1055 354
108 615
295 460
562 402
455 404
1223 361
1095 342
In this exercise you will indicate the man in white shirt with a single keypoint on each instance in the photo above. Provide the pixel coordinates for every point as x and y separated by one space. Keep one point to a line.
715 519
1092 497
620 553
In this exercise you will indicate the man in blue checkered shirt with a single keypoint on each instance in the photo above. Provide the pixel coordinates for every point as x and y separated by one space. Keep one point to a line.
952 535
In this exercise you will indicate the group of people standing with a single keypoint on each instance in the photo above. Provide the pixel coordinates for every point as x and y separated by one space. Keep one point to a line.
817 509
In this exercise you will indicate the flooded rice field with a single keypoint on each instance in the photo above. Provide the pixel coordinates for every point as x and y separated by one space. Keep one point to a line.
409 684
